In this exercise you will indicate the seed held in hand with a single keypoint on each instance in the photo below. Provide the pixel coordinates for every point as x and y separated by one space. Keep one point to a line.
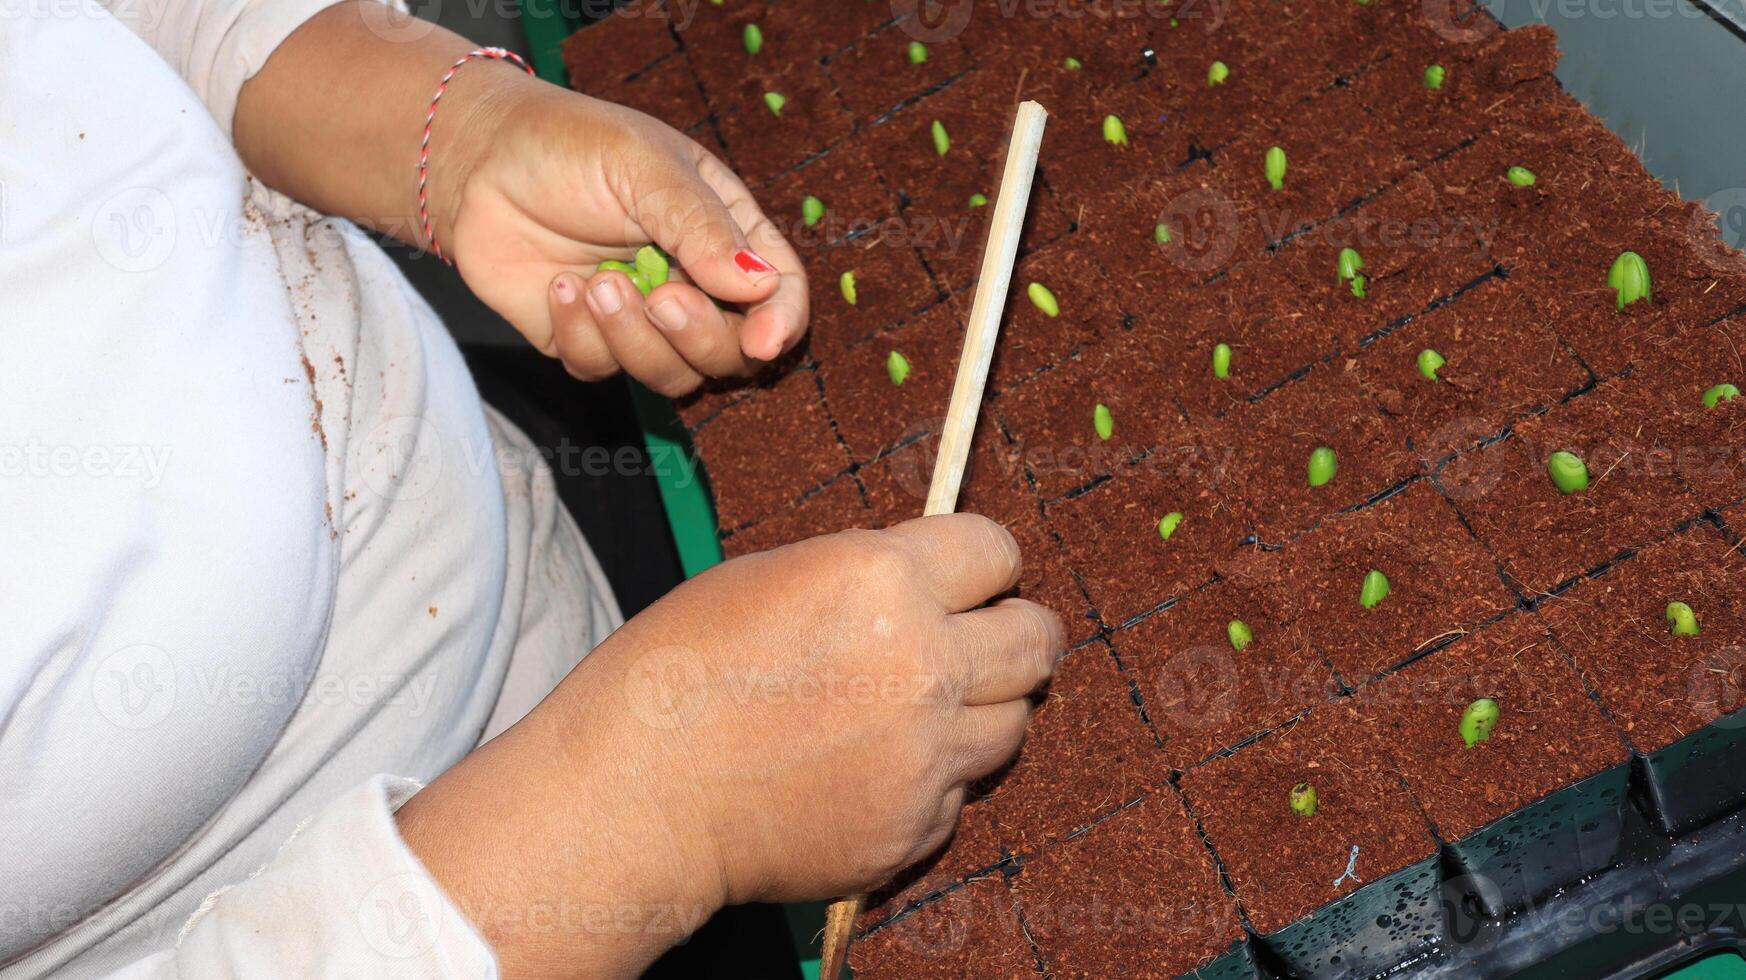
1103 421
942 140
1478 721
1275 164
1168 524
1043 300
753 36
1434 77
1569 473
1520 176
811 210
847 285
1723 392
1303 800
775 101
917 53
897 368
1430 362
631 272
1375 589
1629 276
653 264
1222 361
1114 132
1216 73
1681 620
1322 466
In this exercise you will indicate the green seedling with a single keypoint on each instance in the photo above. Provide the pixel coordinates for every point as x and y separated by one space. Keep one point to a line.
1520 176
1275 164
1322 466
847 285
1043 300
812 210
1222 361
942 140
1114 132
1350 264
1168 524
1629 276
753 36
1723 392
1681 620
917 53
1478 721
1375 589
1073 64
1239 633
1303 800
1102 421
897 368
651 269
1161 233
1434 77
1569 473
1216 73
1430 362
775 101
979 200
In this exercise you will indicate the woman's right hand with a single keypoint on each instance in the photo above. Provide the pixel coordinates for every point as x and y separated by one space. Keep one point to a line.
792 725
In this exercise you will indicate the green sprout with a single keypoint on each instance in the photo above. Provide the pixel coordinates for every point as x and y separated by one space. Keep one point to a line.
1239 633
897 368
651 268
1102 421
1322 466
1168 524
1350 263
1073 64
1434 77
1275 164
1222 361
1430 362
1043 300
1629 276
917 53
979 200
811 210
1723 392
1375 589
847 285
1161 233
775 101
1682 620
1303 800
1478 721
753 36
1569 473
1114 132
1520 176
942 141
1216 73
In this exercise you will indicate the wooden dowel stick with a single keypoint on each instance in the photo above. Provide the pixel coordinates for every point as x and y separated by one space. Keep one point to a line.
959 429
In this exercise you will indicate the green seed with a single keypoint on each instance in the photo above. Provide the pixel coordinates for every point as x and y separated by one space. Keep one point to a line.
917 53
653 264
753 36
1114 132
1239 633
978 200
1073 64
1043 300
1375 589
1216 73
1520 176
1478 721
897 368
775 100
1102 421
1350 263
1161 233
1569 473
1322 466
1629 275
811 210
1723 392
1275 163
1168 524
1681 620
1222 361
942 141
632 272
1430 362
847 285
1303 800
1434 77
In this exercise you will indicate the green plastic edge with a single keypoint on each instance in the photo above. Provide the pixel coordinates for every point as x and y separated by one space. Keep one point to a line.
690 513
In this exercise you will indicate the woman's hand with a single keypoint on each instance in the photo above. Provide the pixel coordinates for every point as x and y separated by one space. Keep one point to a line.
565 182
793 725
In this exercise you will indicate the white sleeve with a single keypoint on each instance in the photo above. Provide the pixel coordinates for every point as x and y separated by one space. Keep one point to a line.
217 45
343 898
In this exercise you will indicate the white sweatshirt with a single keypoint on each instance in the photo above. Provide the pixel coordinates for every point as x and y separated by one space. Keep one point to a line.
262 543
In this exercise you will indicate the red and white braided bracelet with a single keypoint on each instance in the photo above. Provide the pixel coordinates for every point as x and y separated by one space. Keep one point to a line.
478 54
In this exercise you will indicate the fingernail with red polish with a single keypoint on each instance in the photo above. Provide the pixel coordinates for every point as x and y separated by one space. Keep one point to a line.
564 290
752 264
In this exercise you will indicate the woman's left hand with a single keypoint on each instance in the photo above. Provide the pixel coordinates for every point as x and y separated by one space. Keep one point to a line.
564 182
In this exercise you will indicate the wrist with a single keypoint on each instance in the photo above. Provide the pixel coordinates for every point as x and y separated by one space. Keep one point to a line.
470 119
